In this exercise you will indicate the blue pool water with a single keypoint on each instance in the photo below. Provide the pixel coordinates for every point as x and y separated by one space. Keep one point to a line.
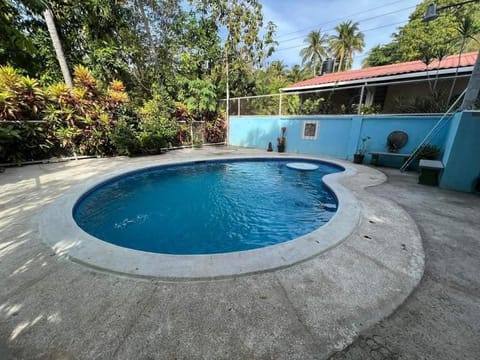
208 207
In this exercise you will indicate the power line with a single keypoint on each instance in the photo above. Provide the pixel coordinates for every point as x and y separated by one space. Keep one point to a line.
361 20
341 18
374 28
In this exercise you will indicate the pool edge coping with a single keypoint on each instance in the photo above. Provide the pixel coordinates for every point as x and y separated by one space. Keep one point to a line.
67 239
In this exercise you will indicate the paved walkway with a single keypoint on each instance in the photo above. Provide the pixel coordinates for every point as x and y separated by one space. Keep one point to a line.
52 308
441 319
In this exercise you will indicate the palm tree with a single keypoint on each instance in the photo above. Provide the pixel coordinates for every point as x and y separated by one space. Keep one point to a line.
296 74
42 6
316 49
348 40
57 45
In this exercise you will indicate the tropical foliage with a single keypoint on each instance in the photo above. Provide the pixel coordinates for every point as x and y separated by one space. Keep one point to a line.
90 119
315 51
456 30
344 44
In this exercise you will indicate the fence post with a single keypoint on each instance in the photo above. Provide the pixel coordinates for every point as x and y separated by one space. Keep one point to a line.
280 105
238 107
360 103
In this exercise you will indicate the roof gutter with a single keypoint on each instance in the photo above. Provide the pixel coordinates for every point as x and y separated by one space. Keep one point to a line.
373 80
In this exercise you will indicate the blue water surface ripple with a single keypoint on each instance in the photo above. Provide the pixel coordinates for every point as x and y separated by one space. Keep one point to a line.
208 207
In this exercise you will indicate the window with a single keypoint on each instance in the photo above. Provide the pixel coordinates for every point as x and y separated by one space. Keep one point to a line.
310 130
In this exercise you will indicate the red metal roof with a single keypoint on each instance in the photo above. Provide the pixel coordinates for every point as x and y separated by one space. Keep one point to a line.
467 59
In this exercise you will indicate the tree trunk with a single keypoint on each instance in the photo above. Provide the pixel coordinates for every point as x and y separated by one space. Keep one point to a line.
57 45
340 64
146 24
473 87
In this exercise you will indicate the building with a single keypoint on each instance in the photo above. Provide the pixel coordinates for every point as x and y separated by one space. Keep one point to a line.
387 86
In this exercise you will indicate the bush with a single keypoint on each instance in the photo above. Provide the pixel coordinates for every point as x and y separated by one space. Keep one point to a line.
83 117
25 141
124 139
216 131
429 152
21 97
157 134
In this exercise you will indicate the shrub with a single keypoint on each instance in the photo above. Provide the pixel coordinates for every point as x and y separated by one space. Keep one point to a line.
429 152
25 141
216 131
157 134
21 97
157 129
124 139
83 117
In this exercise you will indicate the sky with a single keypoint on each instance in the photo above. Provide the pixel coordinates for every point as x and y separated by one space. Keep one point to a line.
296 18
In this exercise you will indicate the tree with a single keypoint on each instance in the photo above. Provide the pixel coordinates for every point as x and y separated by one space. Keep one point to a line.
315 51
16 47
381 55
344 44
57 45
296 74
473 87
467 29
408 41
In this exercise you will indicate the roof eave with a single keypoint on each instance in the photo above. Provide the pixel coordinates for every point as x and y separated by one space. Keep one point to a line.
373 80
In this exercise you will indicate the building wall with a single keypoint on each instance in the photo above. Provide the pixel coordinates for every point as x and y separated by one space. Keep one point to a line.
338 136
412 90
461 158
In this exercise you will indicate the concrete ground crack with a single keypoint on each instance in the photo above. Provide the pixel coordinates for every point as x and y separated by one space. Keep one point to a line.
133 321
298 317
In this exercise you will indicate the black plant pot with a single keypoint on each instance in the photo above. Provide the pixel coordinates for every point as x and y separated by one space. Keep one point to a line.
358 158
281 148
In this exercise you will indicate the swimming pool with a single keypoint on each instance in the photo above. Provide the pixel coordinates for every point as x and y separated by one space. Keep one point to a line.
58 228
209 207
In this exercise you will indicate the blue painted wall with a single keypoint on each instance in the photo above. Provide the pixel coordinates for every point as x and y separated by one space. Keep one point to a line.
258 131
417 127
338 136
462 156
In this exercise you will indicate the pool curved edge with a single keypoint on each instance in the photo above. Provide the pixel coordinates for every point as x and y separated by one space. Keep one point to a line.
60 231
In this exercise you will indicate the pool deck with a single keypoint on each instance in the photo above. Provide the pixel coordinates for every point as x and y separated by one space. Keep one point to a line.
54 308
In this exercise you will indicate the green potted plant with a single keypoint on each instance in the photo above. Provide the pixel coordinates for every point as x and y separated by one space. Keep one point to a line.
429 152
360 154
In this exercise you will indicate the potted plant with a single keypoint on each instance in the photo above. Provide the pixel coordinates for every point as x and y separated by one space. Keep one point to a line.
429 152
282 141
360 154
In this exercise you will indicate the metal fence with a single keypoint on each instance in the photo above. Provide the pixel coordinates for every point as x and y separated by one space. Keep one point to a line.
364 98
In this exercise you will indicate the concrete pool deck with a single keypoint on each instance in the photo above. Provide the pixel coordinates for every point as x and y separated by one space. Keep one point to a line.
51 307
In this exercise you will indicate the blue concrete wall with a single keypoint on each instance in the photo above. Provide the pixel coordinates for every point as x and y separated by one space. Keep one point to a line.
258 131
417 127
462 155
338 136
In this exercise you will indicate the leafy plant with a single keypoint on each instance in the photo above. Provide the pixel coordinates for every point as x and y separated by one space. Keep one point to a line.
370 109
429 152
124 139
363 147
21 97
216 130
